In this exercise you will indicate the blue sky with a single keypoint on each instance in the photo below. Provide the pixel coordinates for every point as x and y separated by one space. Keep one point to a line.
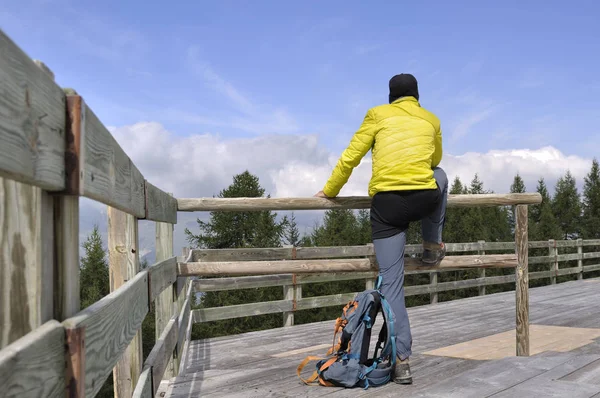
499 74
194 91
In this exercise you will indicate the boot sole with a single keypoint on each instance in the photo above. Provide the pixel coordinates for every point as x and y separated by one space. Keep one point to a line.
403 381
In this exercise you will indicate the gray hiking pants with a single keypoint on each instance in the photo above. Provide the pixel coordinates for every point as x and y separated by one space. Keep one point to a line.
390 256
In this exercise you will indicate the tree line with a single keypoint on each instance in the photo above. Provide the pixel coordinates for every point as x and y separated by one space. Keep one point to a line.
567 214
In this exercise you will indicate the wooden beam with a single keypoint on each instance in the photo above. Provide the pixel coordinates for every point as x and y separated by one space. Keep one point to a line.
234 268
123 262
349 202
162 288
162 276
162 352
106 329
160 206
108 174
183 319
32 122
522 282
236 311
21 266
66 248
143 388
34 365
243 282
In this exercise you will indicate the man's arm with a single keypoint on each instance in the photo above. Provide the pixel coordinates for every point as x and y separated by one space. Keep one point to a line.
360 144
437 154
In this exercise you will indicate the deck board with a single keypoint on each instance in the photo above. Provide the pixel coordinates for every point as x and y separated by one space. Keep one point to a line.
263 363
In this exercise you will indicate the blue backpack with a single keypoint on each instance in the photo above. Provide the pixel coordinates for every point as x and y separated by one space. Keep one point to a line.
348 363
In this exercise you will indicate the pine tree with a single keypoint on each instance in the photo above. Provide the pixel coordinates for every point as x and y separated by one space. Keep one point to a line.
340 228
94 278
536 210
518 186
291 234
591 203
566 206
364 226
456 226
239 230
543 225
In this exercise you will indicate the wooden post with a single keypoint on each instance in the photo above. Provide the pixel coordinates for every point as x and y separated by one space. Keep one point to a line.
21 266
123 260
553 252
481 270
165 302
433 280
289 293
522 282
66 246
580 258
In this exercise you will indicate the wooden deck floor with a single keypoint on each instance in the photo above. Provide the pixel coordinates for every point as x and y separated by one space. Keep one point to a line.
263 364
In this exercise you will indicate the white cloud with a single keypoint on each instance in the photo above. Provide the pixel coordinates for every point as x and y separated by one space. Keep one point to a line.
201 165
464 126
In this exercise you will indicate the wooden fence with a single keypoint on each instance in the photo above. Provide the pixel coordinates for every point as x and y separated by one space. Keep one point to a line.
53 150
292 283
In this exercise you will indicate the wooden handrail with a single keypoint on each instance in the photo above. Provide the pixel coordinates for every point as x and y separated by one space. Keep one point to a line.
347 202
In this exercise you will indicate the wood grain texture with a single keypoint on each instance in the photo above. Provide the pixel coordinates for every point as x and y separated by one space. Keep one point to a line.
160 206
143 388
312 266
109 176
235 311
162 352
244 282
165 305
66 240
123 263
32 121
580 258
324 301
184 319
47 255
33 366
21 267
162 277
522 282
349 202
110 325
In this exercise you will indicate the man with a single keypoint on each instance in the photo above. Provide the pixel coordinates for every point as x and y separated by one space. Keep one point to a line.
406 185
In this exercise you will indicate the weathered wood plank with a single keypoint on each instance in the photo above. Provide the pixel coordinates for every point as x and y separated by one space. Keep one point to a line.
109 176
590 268
162 276
34 365
324 301
21 267
184 321
143 388
235 311
32 121
522 282
312 266
47 255
109 326
329 277
160 206
243 282
349 202
66 249
124 264
165 305
162 352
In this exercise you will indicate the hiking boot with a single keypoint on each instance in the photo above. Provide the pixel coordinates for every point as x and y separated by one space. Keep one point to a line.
402 373
433 253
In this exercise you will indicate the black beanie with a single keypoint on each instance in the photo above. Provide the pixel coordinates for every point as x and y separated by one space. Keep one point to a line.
403 85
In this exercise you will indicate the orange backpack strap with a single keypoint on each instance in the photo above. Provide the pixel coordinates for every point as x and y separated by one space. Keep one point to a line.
315 376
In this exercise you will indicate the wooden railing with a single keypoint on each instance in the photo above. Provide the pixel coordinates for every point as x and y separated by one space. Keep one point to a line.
53 150
292 283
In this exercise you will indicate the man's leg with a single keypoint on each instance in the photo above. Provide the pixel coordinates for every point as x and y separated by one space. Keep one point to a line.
433 226
390 256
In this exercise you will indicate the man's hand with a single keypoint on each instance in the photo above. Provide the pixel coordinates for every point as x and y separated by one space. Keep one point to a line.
321 194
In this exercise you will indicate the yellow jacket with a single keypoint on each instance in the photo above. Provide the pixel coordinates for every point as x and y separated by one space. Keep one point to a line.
406 141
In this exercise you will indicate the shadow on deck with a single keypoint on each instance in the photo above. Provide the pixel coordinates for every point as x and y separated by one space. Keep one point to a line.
462 348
